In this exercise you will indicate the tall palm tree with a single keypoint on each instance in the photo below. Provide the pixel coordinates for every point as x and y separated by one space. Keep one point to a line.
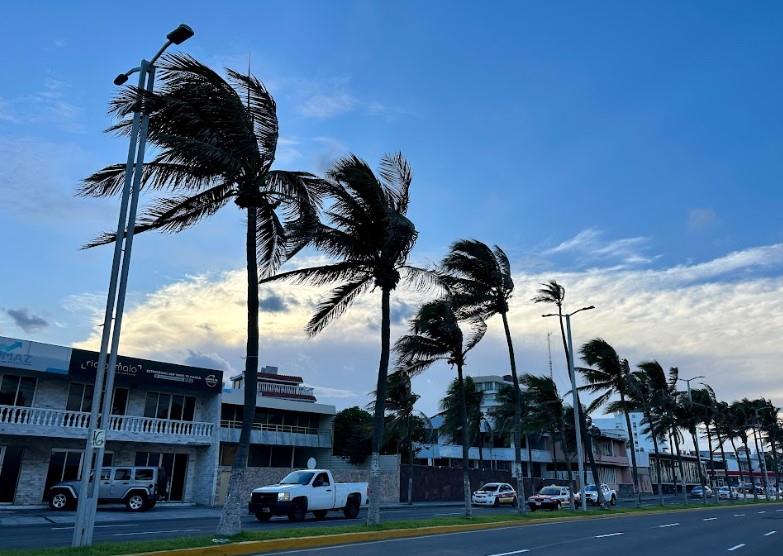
554 293
504 418
688 417
368 231
704 411
479 279
436 335
770 425
610 376
722 429
216 141
741 422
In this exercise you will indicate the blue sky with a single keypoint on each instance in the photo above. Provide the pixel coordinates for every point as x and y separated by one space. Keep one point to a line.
593 141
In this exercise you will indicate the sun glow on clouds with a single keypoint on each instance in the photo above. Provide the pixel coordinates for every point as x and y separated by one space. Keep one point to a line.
721 318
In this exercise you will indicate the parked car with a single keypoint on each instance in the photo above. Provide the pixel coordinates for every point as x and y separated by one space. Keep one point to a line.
307 490
549 498
137 487
494 494
592 495
728 493
748 488
701 492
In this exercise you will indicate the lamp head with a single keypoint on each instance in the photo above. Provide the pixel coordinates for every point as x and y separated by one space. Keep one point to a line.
180 34
121 79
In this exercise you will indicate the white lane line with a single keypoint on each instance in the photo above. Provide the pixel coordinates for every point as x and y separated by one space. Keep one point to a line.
96 526
739 515
762 512
608 535
770 533
779 510
710 518
733 548
509 553
452 513
151 532
668 525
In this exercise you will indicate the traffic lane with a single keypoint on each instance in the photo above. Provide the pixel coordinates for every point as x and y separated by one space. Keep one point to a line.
676 533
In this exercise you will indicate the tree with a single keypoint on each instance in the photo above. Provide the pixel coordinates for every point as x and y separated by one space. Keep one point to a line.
479 279
436 335
504 418
353 434
450 406
741 423
368 231
610 376
216 141
554 293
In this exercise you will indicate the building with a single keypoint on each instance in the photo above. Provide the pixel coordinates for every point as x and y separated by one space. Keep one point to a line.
643 443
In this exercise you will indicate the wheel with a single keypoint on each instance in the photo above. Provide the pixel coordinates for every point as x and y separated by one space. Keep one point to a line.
60 501
320 514
135 502
556 508
351 509
263 517
298 511
532 508
514 501
496 503
613 501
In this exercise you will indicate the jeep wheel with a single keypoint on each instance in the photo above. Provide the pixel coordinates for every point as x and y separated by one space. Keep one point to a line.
320 514
136 502
263 517
351 509
298 511
60 501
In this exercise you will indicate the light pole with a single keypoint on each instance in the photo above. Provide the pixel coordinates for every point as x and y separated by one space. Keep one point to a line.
92 460
695 439
577 429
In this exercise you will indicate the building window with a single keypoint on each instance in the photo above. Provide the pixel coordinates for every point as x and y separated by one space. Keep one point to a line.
17 390
176 407
80 399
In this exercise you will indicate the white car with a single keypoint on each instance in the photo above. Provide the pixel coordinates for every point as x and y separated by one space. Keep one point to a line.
728 493
551 497
494 494
592 495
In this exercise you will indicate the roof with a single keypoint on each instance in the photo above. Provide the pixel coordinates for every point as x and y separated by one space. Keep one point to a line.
271 376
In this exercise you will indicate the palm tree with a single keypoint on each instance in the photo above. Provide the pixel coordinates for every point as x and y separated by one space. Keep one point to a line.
216 141
554 293
371 236
435 335
504 417
770 425
610 376
741 423
479 279
722 429
688 416
548 409
704 410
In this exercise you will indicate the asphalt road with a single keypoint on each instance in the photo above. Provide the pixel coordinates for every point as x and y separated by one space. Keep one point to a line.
742 531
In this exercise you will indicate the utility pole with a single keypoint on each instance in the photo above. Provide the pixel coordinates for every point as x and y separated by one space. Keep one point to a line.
549 349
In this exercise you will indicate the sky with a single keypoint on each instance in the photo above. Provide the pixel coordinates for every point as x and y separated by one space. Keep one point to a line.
632 152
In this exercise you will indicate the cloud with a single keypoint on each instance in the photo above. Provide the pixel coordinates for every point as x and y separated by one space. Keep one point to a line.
27 321
6 114
208 361
287 150
276 303
700 218
589 246
324 106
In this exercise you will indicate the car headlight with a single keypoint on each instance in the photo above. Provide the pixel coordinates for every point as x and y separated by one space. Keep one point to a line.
283 496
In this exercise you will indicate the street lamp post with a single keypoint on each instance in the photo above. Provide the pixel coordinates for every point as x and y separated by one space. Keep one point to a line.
92 459
577 429
696 441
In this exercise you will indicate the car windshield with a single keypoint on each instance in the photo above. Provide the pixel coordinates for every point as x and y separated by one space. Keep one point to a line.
550 490
492 487
590 488
298 478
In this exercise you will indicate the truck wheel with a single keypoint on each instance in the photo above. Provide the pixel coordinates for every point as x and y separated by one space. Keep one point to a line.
320 514
351 509
614 500
263 517
557 507
497 502
135 502
60 500
298 511
532 508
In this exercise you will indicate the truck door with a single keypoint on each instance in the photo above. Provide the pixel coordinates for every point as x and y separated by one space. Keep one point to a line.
322 497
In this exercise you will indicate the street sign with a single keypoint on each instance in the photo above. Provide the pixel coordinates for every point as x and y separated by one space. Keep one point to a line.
99 438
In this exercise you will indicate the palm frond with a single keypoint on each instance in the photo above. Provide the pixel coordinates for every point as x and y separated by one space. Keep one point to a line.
335 304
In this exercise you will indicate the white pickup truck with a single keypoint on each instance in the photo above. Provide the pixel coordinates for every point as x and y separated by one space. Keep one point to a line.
307 490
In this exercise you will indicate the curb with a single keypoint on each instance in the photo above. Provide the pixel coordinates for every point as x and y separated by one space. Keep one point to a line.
299 543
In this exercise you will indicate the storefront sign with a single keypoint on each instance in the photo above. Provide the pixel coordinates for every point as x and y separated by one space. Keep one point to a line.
33 356
137 372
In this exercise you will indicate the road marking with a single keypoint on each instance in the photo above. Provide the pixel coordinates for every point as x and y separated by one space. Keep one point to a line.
733 548
509 553
710 518
96 526
762 512
779 510
452 513
739 515
608 535
669 525
770 533
152 532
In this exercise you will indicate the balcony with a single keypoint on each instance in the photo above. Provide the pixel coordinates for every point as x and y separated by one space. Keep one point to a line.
290 391
38 421
279 435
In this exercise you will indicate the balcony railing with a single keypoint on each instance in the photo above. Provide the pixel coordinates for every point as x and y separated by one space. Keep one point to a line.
77 421
284 389
269 427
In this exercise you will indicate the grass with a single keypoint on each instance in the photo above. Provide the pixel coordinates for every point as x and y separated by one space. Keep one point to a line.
113 549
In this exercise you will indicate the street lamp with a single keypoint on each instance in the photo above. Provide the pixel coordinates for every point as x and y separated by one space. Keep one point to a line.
92 459
695 439
577 408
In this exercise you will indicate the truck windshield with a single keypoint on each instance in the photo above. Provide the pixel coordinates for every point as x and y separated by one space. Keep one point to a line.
298 478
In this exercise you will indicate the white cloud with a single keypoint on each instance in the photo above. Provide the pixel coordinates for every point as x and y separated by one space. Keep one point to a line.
590 245
324 106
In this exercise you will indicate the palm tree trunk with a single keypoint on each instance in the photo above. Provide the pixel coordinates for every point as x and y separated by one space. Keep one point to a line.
463 417
529 459
675 435
739 465
712 463
554 452
521 508
750 468
648 417
725 465
566 453
702 481
773 447
762 464
374 509
410 461
231 517
635 469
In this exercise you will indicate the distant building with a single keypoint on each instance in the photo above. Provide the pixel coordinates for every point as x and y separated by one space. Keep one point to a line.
643 443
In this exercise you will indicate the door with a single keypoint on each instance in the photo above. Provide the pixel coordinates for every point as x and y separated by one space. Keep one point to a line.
176 470
120 483
64 465
10 463
322 497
